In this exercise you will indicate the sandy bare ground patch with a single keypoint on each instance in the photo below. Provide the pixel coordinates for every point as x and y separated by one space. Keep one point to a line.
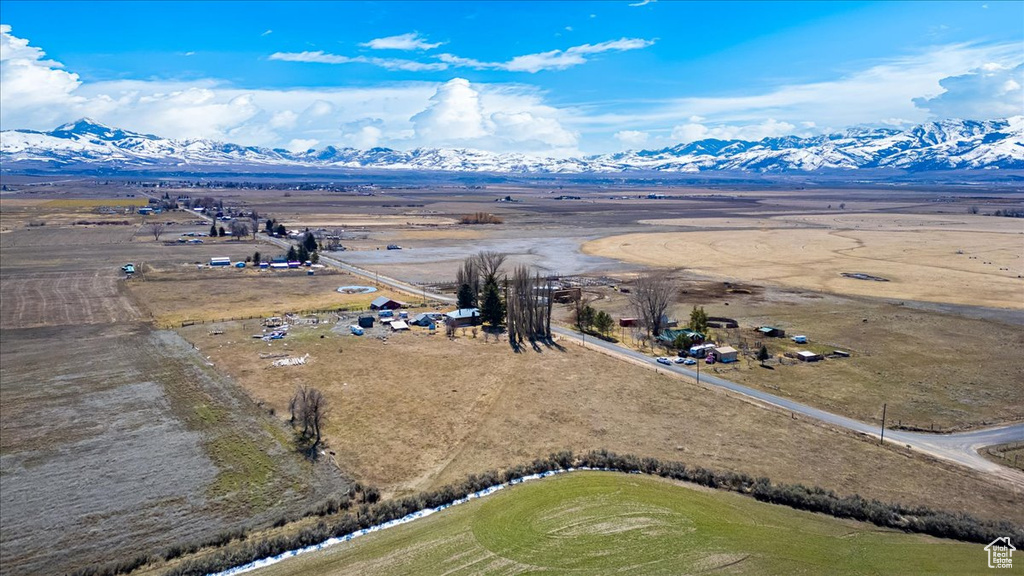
920 265
422 411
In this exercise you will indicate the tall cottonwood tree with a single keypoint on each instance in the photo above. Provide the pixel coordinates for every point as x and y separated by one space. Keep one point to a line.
527 307
650 297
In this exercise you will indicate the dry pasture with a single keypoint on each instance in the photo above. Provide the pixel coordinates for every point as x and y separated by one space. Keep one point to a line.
959 267
421 411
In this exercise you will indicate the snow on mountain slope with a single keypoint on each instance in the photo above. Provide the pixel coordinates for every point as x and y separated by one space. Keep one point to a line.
942 145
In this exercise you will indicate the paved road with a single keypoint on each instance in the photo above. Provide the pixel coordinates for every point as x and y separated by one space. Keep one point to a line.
961 448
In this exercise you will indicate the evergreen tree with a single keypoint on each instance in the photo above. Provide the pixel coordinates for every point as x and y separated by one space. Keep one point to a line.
699 320
492 310
213 230
281 230
309 242
466 297
603 322
222 232
763 354
270 227
302 254
292 254
256 257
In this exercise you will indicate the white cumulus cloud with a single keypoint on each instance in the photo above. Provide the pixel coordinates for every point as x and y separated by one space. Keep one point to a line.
459 114
410 41
632 138
33 87
693 131
989 91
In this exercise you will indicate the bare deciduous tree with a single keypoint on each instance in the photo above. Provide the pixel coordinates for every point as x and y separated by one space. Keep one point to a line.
651 295
527 307
156 229
489 263
239 229
309 407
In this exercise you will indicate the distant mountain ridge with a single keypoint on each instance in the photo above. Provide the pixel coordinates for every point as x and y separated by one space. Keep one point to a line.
942 145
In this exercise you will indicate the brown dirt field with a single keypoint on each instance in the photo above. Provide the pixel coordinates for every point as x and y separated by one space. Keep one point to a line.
58 298
920 265
422 411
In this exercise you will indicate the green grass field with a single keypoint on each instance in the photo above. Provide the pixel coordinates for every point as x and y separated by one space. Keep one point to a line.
607 523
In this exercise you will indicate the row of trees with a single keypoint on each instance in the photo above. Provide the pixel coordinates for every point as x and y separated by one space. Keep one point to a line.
526 306
588 319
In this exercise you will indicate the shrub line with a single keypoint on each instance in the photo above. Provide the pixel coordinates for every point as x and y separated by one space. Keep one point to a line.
372 515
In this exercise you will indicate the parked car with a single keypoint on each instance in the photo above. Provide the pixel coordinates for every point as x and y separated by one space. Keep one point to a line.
689 362
679 360
663 360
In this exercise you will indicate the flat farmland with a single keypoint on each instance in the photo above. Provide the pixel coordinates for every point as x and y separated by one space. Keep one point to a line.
173 296
117 439
940 369
422 411
959 266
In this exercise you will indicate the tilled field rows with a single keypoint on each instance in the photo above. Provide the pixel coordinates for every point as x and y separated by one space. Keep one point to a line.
62 298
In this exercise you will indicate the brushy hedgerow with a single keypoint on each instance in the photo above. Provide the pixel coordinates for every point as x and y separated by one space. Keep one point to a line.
371 512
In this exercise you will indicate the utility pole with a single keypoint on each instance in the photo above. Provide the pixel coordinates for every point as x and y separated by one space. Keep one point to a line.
698 370
882 439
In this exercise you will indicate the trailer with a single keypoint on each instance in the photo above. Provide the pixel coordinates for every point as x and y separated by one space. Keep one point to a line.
220 261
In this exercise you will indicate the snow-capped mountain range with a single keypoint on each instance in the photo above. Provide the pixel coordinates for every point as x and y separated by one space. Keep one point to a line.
942 145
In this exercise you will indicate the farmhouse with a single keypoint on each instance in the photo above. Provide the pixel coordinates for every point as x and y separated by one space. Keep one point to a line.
385 303
463 317
426 318
725 354
807 356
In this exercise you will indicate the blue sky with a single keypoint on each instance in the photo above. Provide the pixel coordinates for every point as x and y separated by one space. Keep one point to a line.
534 77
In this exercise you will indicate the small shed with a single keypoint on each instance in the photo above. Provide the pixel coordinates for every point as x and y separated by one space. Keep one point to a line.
726 354
397 325
799 339
629 322
808 356
464 317
385 303
771 331
366 321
